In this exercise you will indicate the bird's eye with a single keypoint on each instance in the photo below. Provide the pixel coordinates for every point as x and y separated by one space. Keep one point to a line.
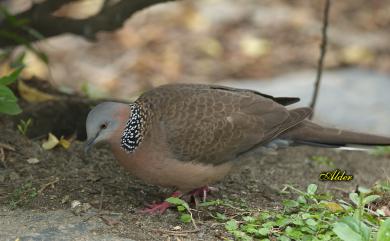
103 126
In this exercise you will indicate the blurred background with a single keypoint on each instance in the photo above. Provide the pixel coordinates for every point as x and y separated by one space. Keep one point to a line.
270 46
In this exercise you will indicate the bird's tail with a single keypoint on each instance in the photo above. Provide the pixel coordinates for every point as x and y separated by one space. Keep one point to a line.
310 133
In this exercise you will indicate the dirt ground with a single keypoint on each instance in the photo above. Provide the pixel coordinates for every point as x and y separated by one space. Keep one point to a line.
35 199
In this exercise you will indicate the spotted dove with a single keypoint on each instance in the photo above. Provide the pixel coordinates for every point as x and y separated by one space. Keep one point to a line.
187 136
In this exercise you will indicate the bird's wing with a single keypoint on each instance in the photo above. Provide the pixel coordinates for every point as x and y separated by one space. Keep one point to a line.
212 125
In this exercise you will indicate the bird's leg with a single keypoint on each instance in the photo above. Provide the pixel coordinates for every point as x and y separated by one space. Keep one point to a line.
159 208
201 192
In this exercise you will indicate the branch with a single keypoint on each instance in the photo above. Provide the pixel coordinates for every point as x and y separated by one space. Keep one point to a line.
40 18
323 46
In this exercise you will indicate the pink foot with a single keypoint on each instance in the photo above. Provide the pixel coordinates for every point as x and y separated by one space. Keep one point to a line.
159 208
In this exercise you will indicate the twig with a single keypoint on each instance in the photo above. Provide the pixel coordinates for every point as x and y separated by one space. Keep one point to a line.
7 147
176 233
48 184
323 46
101 199
2 157
41 19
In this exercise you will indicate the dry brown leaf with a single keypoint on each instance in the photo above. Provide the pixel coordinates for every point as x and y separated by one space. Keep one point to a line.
32 94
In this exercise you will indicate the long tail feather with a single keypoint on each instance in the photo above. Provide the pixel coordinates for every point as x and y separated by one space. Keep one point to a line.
310 133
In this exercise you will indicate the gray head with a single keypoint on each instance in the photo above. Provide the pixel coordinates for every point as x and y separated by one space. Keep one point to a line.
103 122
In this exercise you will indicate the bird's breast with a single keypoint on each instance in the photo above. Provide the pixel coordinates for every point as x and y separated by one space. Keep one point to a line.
157 166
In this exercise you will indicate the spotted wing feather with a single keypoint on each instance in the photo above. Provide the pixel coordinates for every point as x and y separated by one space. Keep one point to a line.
202 123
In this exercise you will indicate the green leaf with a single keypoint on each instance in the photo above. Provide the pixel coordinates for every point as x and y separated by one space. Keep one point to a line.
177 201
284 238
6 94
311 189
249 219
384 231
294 233
9 79
264 216
180 208
231 225
354 198
364 190
249 228
290 203
185 218
221 216
10 108
301 199
370 199
346 233
283 221
263 231
8 101
351 229
311 222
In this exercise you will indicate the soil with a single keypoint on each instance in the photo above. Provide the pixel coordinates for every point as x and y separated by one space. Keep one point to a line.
111 199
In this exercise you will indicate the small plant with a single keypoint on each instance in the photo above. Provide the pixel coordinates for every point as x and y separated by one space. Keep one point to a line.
183 208
8 101
22 195
310 216
24 125
384 231
361 222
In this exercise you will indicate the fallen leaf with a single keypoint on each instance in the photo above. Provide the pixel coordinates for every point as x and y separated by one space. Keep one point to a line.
75 203
65 199
109 221
176 228
51 142
64 142
334 207
33 161
32 94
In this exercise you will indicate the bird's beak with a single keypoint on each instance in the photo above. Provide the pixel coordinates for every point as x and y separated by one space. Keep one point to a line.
89 143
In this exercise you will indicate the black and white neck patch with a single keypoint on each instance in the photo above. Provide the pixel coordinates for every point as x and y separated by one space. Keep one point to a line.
133 133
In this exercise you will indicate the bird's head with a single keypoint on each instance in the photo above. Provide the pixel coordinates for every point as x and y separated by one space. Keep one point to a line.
104 121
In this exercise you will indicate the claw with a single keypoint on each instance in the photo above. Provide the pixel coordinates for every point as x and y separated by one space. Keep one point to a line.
201 192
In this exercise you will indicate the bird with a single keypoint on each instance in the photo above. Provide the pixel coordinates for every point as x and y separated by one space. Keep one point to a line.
188 136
